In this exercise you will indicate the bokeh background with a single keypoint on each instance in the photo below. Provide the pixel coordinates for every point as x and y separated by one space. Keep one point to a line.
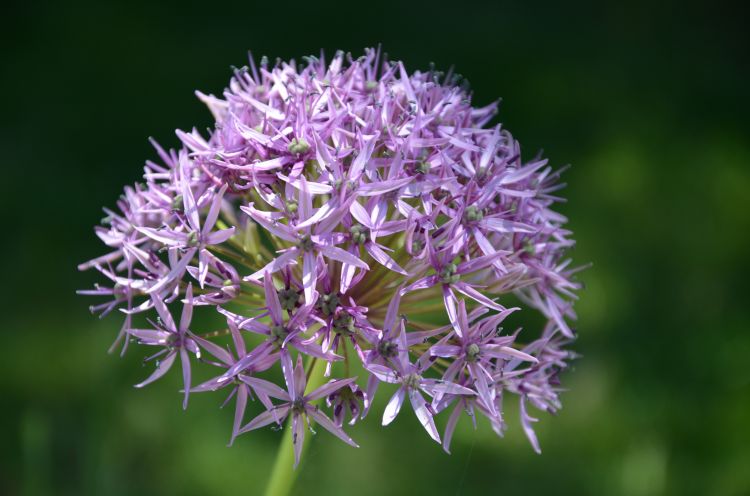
649 104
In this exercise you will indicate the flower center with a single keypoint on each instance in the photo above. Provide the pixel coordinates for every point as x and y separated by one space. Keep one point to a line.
448 274
387 349
344 324
328 303
472 352
473 214
412 380
193 239
306 243
298 406
359 234
177 203
288 299
298 146
278 333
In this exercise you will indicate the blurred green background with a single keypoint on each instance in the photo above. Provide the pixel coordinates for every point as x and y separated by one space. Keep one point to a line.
648 103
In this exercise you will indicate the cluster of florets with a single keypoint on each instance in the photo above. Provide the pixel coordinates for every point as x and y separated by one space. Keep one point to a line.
357 217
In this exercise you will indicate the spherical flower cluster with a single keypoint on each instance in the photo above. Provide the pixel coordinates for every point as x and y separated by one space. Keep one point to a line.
358 217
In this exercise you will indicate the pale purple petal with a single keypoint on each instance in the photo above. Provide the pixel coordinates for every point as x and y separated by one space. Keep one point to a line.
287 258
423 414
287 367
445 350
383 258
278 414
185 360
342 256
526 421
451 426
394 406
329 388
239 411
298 437
162 368
383 373
328 425
272 300
213 212
309 276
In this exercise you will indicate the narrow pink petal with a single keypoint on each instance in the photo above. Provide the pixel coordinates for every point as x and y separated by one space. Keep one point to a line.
383 373
161 369
202 267
342 256
166 236
218 237
380 187
382 258
506 351
505 226
278 414
423 414
477 296
365 152
424 283
328 388
289 257
451 426
526 421
392 313
150 336
360 214
347 276
328 425
239 411
187 309
445 350
394 406
309 276
298 437
185 360
176 272
214 349
213 212
483 388
450 306
270 222
188 202
287 366
164 314
463 319
266 387
272 300
305 199
319 215
300 381
445 387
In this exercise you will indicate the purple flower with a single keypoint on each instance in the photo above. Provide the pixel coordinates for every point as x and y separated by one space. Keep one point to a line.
190 237
243 381
175 340
412 384
299 405
346 399
474 349
347 214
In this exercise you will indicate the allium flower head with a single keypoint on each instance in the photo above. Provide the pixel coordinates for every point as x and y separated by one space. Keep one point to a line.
350 213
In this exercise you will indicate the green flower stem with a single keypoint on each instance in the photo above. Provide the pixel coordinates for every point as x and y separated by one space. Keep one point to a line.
283 474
